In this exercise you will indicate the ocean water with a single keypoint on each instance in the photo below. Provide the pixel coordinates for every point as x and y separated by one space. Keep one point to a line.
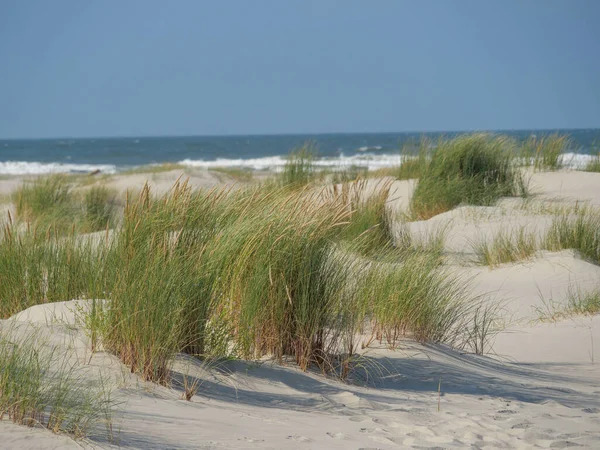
111 155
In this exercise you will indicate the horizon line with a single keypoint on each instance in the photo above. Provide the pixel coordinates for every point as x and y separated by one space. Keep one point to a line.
154 136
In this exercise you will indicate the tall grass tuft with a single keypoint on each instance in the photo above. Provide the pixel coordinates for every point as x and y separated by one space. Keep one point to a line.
412 164
545 152
415 298
475 169
154 280
593 165
369 228
51 202
40 266
348 174
99 207
40 386
299 168
49 198
579 231
263 270
506 247
583 302
579 302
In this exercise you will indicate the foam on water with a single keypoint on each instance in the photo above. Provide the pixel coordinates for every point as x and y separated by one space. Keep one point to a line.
368 161
37 168
577 160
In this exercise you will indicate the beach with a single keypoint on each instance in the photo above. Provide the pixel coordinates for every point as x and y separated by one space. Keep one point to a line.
537 384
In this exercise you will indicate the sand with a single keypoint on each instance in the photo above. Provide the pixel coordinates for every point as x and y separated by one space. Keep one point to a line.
538 386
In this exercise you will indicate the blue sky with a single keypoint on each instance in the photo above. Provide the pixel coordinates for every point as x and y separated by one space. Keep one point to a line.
125 68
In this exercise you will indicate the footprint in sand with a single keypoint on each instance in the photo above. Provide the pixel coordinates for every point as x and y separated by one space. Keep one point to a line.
251 440
564 444
336 435
382 421
373 430
591 410
298 438
522 426
359 418
504 414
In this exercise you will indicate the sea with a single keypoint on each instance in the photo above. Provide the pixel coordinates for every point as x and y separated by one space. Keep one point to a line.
115 154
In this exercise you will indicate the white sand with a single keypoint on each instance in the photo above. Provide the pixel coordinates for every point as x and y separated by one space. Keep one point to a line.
538 388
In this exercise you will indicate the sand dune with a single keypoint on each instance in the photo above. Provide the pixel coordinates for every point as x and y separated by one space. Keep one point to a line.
539 386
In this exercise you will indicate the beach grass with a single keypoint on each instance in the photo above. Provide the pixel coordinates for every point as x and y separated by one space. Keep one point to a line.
593 165
283 269
299 168
347 174
99 205
155 168
415 298
52 202
41 386
578 230
235 173
41 266
582 302
412 163
50 197
506 246
545 152
579 302
474 169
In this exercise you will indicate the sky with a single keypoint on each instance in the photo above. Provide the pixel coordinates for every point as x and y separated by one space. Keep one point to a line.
72 68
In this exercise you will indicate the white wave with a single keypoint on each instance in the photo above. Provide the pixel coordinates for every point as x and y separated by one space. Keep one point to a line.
277 162
38 168
577 160
364 149
251 163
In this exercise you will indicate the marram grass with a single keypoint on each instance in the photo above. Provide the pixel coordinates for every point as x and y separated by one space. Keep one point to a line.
578 230
545 152
474 169
506 247
53 202
593 165
41 386
263 270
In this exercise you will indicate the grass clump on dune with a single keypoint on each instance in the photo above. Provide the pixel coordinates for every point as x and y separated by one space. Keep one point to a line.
414 298
475 169
98 208
579 302
578 230
573 228
411 166
414 165
545 152
40 267
240 174
583 302
369 226
299 168
593 165
259 271
506 247
52 202
49 197
155 168
347 174
40 386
